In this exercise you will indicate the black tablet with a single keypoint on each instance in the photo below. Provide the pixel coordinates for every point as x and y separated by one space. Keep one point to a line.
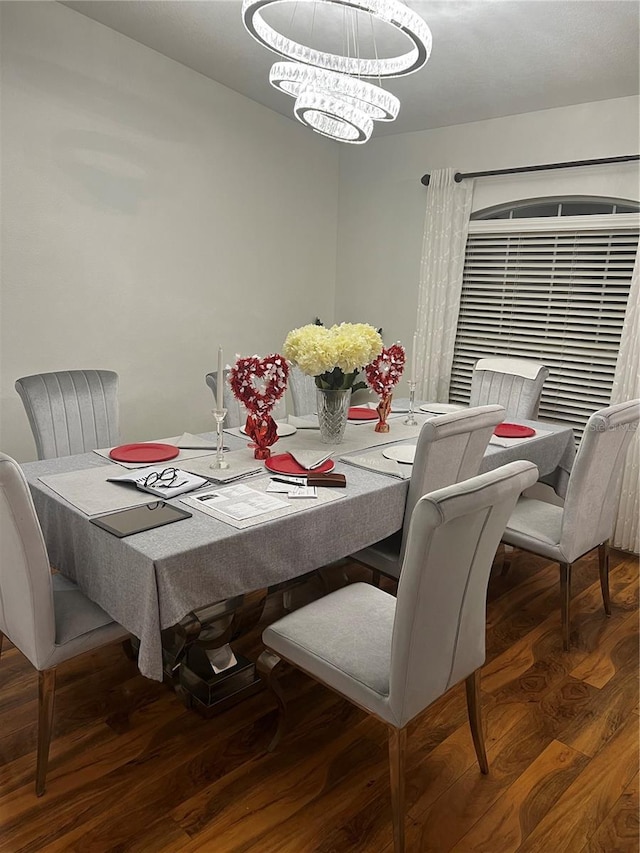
139 518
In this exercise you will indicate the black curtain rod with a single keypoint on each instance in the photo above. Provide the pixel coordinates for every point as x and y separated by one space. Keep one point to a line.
460 176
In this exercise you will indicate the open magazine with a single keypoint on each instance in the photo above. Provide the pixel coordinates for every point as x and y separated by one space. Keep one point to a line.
164 481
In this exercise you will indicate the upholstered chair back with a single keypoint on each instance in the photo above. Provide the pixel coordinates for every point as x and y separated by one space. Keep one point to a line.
236 413
515 383
441 603
71 411
303 392
449 449
591 502
46 616
26 595
235 416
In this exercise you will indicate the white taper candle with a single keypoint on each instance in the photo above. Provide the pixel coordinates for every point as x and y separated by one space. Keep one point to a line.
414 357
220 389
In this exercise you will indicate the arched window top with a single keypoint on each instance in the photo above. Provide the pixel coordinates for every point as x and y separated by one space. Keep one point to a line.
575 205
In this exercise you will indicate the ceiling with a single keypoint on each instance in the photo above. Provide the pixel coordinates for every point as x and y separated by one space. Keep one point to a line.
490 58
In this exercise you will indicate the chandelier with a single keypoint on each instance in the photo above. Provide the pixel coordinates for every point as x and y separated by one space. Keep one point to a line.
330 93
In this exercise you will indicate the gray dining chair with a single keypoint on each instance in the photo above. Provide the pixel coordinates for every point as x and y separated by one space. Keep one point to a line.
566 533
450 448
303 392
236 412
394 657
71 411
515 383
45 616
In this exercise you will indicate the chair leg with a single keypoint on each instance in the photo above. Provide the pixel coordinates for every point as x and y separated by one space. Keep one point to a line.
507 559
397 756
472 684
266 666
603 563
127 648
46 695
326 586
565 602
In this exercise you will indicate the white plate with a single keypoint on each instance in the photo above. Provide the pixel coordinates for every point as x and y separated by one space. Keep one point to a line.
401 453
441 408
283 429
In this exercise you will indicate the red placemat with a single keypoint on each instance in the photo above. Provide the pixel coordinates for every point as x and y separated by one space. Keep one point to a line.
513 431
284 463
360 413
145 452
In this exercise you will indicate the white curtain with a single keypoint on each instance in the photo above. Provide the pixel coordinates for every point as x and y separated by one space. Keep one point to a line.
445 236
626 386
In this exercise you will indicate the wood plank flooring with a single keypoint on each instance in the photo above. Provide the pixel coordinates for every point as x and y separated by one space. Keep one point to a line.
132 770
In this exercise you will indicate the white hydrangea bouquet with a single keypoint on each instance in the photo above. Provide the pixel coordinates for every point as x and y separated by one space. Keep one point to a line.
333 355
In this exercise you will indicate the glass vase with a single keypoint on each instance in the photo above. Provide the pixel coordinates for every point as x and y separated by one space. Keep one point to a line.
333 410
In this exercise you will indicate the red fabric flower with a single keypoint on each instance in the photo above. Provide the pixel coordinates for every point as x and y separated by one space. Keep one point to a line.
384 372
273 370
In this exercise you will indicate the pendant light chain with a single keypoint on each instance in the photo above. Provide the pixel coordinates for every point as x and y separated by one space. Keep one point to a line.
375 45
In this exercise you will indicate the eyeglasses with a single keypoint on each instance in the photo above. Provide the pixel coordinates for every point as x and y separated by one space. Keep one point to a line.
162 479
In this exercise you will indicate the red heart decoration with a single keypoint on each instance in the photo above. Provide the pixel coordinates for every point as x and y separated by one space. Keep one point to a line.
264 432
384 372
273 369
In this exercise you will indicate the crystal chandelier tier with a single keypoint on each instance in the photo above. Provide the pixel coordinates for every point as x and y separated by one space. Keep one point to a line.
391 12
294 78
331 95
332 117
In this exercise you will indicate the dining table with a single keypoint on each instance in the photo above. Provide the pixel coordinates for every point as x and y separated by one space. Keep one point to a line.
150 581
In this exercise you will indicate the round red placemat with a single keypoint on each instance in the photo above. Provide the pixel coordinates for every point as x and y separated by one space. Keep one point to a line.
513 431
145 452
360 413
284 463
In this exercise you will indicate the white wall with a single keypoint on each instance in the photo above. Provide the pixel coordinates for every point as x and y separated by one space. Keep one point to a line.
382 202
149 214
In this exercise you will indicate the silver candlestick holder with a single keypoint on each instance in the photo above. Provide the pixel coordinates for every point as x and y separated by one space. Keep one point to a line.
219 462
410 419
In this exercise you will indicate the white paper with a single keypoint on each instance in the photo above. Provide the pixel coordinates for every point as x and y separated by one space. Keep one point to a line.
292 490
281 488
239 502
303 492
284 508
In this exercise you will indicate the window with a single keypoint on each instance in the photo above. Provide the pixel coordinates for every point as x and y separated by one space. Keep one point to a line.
579 205
553 289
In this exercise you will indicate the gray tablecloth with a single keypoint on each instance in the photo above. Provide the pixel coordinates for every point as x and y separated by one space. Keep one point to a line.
553 452
151 580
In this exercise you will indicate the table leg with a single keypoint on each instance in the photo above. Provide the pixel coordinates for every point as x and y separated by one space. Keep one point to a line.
203 640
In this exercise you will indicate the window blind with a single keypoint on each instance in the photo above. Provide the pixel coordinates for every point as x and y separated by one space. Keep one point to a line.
551 290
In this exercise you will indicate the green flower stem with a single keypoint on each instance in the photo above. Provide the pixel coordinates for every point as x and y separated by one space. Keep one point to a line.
335 380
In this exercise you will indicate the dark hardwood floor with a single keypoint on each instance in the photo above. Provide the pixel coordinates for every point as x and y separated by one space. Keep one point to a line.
132 769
